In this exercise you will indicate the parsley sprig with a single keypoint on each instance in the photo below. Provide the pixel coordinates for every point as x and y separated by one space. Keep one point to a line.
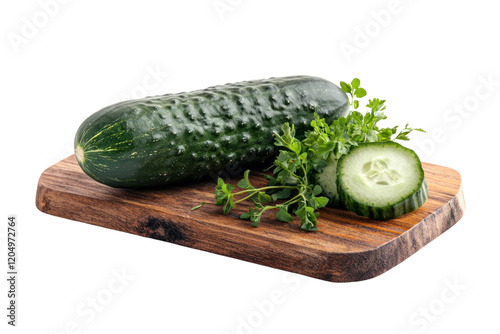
354 128
290 180
291 188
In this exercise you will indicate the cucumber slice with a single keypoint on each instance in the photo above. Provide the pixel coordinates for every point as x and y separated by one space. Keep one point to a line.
327 179
381 180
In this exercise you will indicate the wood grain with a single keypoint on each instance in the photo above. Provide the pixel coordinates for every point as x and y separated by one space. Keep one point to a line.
346 248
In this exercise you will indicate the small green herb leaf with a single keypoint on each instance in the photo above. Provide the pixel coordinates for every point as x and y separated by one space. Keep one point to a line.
360 92
284 216
263 197
355 83
345 87
322 201
317 190
245 182
228 205
282 194
255 218
247 215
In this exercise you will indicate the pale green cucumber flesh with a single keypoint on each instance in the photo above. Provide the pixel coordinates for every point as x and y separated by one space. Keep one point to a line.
382 180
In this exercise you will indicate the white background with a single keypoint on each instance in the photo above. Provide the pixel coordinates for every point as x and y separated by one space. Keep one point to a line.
431 60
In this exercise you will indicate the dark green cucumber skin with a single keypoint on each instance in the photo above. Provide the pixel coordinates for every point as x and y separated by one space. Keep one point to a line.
160 140
408 204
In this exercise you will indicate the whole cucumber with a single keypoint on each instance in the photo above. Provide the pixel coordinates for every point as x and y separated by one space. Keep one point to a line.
159 140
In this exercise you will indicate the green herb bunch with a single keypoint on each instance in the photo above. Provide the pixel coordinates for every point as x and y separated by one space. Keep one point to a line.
291 189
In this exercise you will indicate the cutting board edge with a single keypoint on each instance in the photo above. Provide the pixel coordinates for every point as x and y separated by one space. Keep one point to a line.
418 237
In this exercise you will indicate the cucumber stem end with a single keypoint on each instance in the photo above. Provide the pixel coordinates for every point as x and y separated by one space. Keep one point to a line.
79 153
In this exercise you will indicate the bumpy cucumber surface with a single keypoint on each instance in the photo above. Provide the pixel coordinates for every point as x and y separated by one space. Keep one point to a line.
165 139
381 180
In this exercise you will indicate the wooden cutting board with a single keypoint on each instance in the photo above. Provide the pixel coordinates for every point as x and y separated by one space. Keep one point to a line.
346 247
